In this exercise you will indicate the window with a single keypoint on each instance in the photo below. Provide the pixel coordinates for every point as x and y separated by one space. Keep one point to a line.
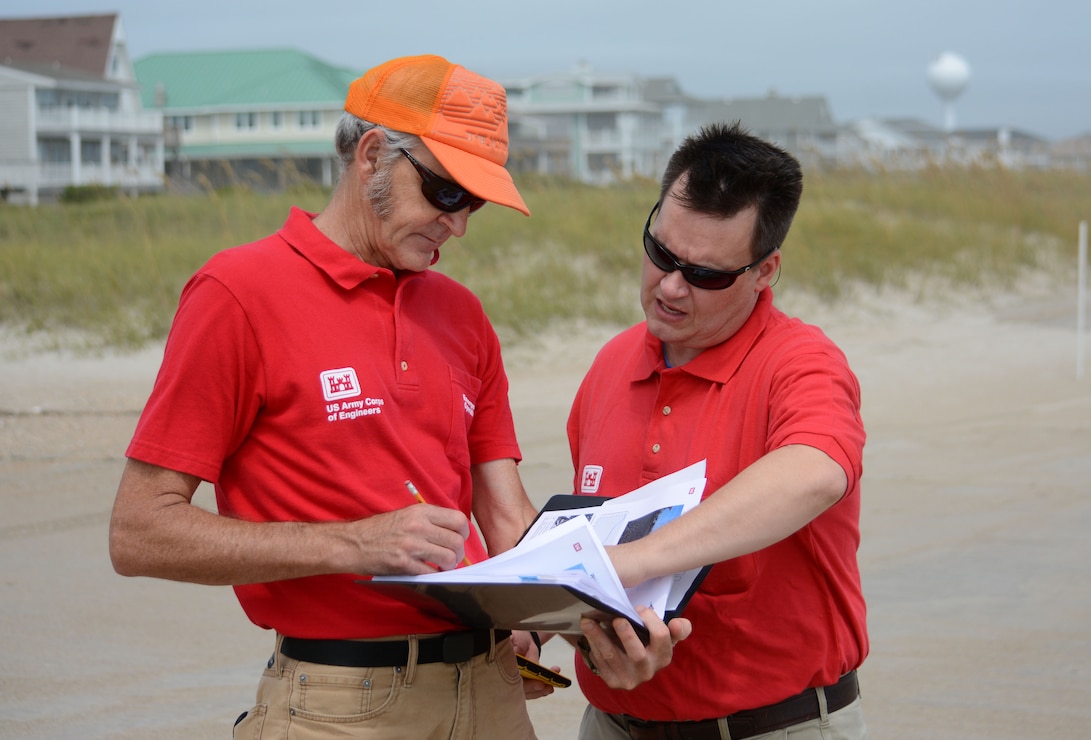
603 92
119 153
246 121
602 121
47 99
277 118
310 118
54 151
91 151
603 163
180 123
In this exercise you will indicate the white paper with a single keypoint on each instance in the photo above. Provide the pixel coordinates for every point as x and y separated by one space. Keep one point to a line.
568 547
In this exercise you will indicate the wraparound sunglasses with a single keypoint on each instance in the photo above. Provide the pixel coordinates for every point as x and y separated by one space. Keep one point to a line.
445 195
704 278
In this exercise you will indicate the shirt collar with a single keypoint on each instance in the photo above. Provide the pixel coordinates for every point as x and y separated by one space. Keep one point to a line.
344 267
716 364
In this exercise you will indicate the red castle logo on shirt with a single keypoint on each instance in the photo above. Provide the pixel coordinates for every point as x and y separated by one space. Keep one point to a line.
340 383
592 476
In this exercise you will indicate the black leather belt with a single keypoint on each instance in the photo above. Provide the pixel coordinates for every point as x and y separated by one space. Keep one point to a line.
453 647
792 711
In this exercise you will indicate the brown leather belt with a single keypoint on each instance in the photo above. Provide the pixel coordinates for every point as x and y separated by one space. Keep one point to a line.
792 711
454 647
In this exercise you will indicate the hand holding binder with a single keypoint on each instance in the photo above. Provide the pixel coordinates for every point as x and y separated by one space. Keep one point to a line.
560 572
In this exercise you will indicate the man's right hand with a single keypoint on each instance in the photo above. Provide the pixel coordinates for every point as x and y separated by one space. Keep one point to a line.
417 539
156 531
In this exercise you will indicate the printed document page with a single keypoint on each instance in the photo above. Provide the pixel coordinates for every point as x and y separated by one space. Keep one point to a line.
566 547
634 515
569 554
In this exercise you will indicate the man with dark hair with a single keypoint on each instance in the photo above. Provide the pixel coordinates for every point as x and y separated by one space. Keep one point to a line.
309 376
717 372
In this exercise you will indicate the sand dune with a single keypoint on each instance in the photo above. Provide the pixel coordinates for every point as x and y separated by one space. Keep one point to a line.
977 500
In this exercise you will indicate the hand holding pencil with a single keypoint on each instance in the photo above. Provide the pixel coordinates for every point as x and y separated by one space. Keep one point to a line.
420 500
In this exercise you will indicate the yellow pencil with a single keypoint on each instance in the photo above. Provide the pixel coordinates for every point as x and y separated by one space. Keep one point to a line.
420 500
413 490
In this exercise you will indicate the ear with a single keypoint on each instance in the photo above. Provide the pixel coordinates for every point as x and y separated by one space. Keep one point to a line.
767 270
368 149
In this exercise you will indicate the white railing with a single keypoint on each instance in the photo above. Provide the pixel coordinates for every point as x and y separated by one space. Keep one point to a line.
35 176
66 120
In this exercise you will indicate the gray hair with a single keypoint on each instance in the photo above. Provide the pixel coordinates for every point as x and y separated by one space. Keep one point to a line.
350 129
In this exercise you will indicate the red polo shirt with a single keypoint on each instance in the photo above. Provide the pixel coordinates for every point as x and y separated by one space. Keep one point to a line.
308 386
769 624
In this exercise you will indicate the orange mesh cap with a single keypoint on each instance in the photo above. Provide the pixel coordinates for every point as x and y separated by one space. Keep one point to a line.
461 117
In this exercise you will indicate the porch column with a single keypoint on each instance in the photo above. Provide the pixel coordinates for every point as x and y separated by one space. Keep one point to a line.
75 143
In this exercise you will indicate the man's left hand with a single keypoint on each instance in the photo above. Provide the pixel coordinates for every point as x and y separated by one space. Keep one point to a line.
524 645
618 655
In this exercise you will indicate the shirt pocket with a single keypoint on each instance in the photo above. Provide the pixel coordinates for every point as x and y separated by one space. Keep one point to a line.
464 392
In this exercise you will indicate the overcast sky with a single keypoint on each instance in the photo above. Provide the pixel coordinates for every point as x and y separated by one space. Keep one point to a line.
1030 59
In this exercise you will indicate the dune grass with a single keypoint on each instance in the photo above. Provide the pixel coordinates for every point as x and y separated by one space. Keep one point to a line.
108 274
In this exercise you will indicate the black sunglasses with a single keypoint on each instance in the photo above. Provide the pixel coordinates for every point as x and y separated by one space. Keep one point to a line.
445 195
699 277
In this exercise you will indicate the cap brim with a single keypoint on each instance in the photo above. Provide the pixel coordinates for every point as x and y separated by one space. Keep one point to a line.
485 179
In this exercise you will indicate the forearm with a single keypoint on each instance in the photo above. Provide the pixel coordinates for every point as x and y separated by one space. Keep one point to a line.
500 504
187 543
156 531
763 504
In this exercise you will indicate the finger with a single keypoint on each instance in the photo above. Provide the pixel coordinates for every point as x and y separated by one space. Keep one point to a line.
524 644
608 660
660 645
437 536
601 644
628 638
534 689
440 516
680 629
423 556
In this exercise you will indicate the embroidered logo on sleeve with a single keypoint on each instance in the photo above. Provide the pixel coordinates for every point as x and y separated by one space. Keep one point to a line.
592 476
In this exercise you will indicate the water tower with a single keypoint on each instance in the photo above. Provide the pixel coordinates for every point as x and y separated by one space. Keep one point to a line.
948 75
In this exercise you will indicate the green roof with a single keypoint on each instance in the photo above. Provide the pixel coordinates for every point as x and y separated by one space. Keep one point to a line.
196 80
257 150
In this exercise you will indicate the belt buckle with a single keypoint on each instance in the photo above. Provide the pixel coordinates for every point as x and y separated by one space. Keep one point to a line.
458 647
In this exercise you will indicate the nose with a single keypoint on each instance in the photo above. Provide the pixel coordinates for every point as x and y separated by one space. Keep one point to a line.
673 284
456 222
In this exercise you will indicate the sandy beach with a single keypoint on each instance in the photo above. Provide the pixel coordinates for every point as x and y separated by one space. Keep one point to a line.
976 508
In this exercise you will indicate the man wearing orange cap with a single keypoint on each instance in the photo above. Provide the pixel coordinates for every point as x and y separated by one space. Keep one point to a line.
309 376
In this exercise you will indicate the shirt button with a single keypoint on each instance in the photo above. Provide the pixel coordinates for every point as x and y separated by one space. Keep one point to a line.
655 448
405 366
666 411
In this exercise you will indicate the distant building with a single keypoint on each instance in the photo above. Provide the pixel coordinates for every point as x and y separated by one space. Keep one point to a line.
600 128
70 110
261 117
589 127
1074 153
802 125
909 143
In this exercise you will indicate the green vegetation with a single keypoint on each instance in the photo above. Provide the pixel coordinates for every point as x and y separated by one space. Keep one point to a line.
88 193
110 271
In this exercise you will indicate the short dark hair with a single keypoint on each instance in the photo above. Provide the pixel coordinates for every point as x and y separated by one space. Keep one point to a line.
726 170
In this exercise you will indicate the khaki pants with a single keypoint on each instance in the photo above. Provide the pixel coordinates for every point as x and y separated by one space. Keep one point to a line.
480 698
846 723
